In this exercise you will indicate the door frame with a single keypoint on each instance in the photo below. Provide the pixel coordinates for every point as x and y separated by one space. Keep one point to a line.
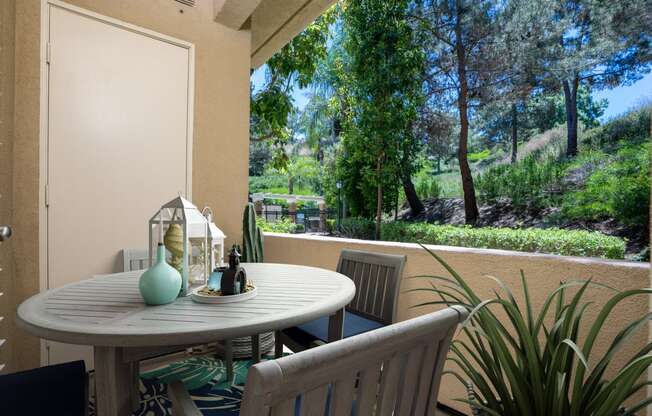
44 124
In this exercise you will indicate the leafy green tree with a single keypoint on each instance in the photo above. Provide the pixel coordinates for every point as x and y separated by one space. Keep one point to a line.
294 64
260 154
505 102
596 43
303 172
386 69
317 125
438 131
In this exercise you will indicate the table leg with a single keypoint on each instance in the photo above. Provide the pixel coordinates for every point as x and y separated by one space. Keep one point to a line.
228 359
336 326
113 382
255 348
278 344
135 386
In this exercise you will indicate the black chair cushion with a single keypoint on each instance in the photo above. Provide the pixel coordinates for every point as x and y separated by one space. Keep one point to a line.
53 390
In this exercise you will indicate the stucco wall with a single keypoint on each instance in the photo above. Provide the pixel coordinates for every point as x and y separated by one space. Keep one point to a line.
221 125
543 273
7 24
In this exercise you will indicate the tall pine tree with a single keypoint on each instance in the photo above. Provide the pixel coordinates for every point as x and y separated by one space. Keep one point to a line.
593 43
461 66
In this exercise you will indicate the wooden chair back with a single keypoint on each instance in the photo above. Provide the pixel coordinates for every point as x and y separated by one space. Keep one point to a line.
377 278
134 259
394 370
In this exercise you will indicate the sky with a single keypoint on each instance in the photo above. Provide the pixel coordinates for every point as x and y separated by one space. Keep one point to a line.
623 98
620 98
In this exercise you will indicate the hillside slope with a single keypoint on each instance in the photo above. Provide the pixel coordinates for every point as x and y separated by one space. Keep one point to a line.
605 188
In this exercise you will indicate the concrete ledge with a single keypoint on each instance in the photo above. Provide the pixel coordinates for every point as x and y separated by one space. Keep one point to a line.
468 250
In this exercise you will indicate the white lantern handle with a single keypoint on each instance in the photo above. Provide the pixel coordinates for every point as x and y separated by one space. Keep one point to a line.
208 213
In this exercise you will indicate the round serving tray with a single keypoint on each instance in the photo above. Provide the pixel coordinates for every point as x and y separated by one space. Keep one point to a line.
201 298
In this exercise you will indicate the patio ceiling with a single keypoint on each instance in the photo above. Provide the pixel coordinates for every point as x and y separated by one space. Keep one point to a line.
273 23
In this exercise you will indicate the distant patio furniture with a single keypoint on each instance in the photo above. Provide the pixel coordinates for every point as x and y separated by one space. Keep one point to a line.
377 278
60 389
135 259
108 312
392 370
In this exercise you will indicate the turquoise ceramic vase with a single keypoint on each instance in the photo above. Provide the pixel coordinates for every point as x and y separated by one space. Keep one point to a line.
161 283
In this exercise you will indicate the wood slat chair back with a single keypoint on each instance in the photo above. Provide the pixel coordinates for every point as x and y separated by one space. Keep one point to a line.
135 259
377 278
394 370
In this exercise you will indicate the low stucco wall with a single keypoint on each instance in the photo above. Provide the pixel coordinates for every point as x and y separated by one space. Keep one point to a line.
543 273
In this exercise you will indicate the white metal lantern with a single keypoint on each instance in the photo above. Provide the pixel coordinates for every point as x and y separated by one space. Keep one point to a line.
184 231
215 240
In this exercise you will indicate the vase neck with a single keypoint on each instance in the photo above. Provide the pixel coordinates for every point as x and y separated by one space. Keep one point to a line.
160 253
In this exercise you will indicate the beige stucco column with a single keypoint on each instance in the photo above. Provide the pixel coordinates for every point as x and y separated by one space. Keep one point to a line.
259 207
292 210
322 216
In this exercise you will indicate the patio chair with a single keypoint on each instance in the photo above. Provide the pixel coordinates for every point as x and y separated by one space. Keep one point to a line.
60 389
392 370
377 278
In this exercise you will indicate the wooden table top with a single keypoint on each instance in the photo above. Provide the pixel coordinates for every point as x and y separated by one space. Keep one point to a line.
108 310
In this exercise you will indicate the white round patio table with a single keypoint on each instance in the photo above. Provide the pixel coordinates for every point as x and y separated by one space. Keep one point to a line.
108 313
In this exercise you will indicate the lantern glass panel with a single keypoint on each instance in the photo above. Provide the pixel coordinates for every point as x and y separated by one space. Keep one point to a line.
217 251
197 261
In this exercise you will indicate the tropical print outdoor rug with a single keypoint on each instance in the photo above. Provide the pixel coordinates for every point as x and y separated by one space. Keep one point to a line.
205 379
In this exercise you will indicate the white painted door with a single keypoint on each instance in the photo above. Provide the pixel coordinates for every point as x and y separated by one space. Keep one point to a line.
118 145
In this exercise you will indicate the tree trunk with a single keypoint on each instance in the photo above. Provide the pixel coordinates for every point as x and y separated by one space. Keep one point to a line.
570 101
290 185
379 199
320 151
438 164
514 133
470 205
416 206
396 208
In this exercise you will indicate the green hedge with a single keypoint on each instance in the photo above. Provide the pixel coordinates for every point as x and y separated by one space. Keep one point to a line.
535 240
361 228
283 225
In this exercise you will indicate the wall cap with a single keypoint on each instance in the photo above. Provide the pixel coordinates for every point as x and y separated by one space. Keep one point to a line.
469 250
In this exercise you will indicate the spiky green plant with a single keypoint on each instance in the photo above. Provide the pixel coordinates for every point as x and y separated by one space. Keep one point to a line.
534 363
252 237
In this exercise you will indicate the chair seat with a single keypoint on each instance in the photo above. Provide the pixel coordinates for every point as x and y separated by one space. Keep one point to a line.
53 390
312 331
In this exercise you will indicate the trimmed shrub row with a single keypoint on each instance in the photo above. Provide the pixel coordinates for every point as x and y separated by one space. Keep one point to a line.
283 225
534 240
